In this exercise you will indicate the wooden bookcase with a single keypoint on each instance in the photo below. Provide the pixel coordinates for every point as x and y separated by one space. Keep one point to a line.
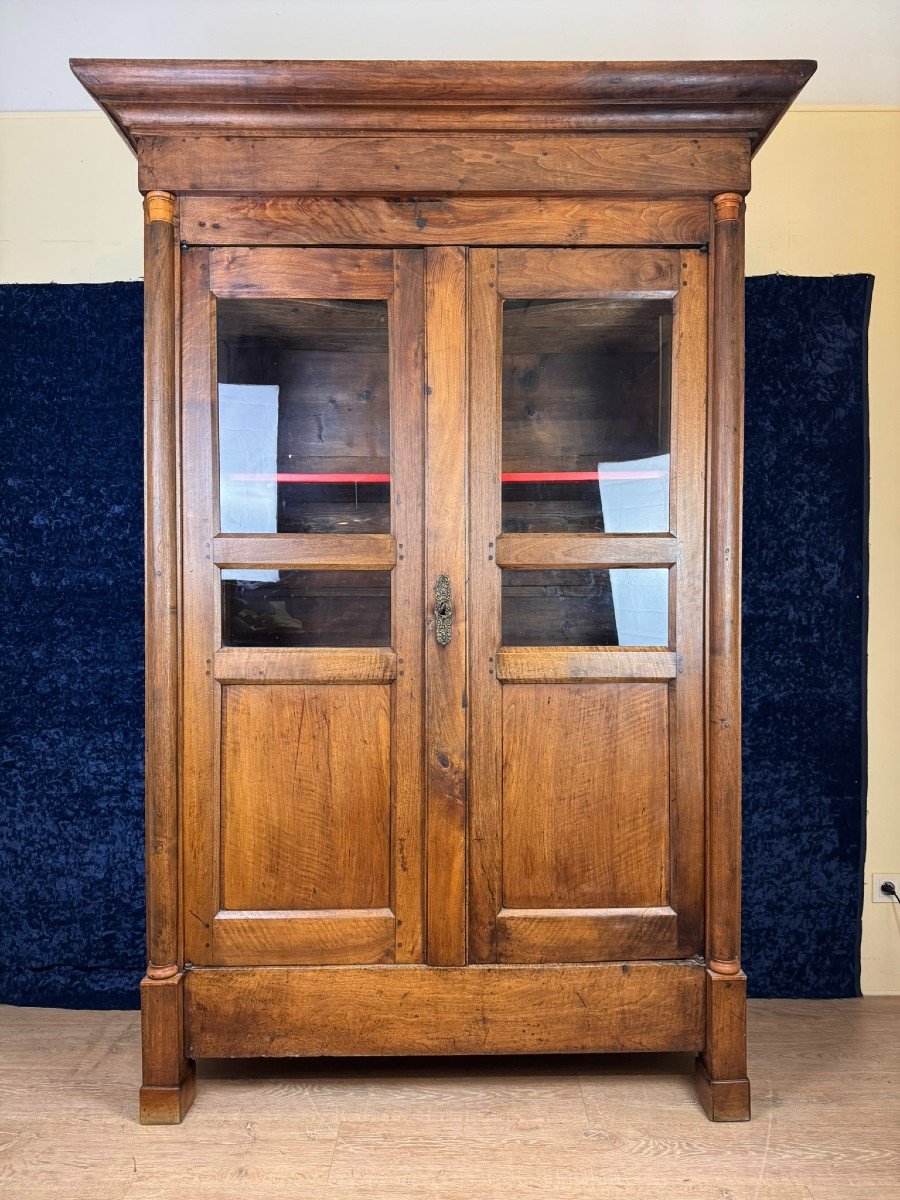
444 380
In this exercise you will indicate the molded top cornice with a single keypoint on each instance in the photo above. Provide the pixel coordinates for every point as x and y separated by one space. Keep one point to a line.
146 98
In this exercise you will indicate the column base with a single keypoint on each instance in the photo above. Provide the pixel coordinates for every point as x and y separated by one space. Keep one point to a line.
168 1105
722 1099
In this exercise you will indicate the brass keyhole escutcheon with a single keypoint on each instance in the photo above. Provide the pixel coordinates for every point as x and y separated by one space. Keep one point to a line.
443 610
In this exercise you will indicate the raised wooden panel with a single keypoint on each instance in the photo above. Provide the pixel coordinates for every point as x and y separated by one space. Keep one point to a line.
447 221
561 274
245 272
335 936
585 796
305 797
585 934
613 1007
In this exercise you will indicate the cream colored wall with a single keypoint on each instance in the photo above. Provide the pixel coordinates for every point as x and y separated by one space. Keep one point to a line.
824 202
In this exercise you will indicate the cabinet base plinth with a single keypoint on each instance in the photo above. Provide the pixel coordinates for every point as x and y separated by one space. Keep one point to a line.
168 1105
722 1099
613 1007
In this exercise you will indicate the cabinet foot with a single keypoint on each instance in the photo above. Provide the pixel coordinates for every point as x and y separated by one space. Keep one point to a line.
721 1075
722 1099
168 1105
169 1081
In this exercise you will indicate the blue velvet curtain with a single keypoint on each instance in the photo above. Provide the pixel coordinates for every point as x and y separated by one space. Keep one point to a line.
71 701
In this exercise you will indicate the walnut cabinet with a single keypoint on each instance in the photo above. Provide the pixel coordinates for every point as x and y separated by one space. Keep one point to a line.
443 432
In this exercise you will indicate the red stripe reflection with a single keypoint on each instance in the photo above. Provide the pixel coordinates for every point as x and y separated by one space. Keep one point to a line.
506 477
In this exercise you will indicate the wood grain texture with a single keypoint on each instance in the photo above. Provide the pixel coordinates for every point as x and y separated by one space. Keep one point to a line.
321 551
268 272
561 664
448 221
570 551
578 274
722 1099
721 1070
161 591
446 717
585 796
311 795
721 1078
463 1010
644 166
167 1088
585 1127
305 797
585 935
724 586
535 274
485 698
407 420
314 937
339 664
145 97
327 794
200 735
687 596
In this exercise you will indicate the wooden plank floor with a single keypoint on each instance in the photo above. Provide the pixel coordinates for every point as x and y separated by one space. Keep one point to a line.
826 1078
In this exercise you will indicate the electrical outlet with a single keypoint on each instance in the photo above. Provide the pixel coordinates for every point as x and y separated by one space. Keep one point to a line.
880 897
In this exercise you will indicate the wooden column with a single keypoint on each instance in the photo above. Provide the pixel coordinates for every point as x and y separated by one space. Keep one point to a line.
722 1082
725 471
161 587
168 1076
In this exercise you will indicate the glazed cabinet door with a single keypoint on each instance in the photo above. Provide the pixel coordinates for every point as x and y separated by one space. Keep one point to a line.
587 452
302 655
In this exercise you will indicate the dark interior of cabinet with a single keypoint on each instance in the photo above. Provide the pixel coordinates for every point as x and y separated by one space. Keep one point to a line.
584 381
306 608
329 361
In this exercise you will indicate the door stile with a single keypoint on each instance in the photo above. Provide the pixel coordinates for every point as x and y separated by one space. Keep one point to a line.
407 379
689 374
485 698
201 728
446 702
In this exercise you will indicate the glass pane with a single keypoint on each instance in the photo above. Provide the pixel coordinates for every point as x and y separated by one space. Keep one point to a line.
306 608
303 416
586 395
621 607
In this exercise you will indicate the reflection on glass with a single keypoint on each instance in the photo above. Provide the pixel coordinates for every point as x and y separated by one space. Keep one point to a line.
306 608
303 416
586 398
623 607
